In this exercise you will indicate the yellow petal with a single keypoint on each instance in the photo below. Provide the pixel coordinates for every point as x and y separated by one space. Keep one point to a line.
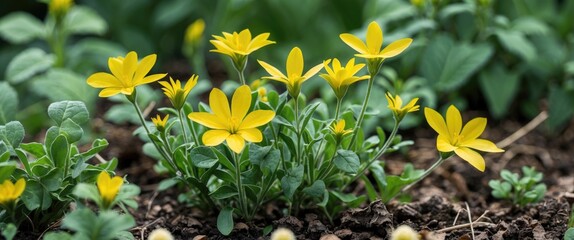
219 104
251 134
443 144
116 182
374 37
473 129
235 143
241 102
295 63
129 66
103 80
115 65
144 66
209 120
256 118
259 41
108 92
19 187
471 157
482 145
436 121
396 48
354 42
214 137
149 79
453 120
314 70
103 181
271 70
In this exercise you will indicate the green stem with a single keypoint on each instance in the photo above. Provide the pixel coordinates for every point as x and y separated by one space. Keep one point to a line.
180 116
363 109
338 108
239 184
426 173
377 155
132 99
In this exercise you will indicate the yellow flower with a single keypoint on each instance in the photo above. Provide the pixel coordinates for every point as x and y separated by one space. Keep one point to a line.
175 93
294 67
404 232
396 105
160 234
340 78
160 123
59 8
108 187
233 125
194 32
283 234
339 130
127 73
239 45
372 48
452 136
262 93
9 191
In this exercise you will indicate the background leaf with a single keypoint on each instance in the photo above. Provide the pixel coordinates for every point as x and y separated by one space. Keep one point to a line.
8 103
83 20
28 63
20 27
75 110
499 88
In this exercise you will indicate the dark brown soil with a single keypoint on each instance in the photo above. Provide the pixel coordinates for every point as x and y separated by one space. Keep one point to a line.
438 210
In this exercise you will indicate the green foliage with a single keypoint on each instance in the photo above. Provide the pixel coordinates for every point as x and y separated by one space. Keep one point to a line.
87 225
521 191
51 169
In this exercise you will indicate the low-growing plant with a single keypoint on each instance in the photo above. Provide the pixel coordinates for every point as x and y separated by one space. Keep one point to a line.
234 155
106 224
520 190
39 178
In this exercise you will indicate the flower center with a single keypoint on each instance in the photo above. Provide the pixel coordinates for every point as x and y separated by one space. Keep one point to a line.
456 139
234 125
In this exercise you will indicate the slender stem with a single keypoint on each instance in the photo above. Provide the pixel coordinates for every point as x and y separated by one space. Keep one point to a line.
132 99
192 130
180 116
363 109
297 129
239 185
338 108
426 173
377 155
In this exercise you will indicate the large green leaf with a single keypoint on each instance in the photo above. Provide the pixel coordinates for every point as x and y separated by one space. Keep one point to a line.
499 88
347 161
20 27
291 181
83 20
12 133
27 64
516 43
225 221
448 65
62 84
8 102
560 109
75 110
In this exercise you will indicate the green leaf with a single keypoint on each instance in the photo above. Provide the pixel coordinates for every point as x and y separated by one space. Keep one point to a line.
59 152
291 181
203 157
316 189
8 231
6 170
83 20
27 64
167 183
97 146
530 25
12 133
87 191
225 221
516 43
8 102
35 196
63 84
21 27
560 111
347 161
448 64
499 88
74 110
57 236
224 192
71 130
34 148
569 235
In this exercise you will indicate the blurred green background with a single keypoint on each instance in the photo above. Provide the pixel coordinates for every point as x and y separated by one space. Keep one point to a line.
512 58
